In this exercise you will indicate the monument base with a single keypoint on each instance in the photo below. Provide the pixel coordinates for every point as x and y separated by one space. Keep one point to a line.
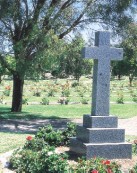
104 150
93 139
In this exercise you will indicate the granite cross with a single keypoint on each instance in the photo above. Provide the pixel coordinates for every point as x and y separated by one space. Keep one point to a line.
102 54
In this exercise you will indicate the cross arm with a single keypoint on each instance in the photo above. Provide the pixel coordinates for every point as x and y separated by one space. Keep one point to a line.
90 52
116 53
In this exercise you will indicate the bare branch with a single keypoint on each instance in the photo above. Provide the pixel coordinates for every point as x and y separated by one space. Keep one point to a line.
76 22
53 3
8 27
39 6
26 5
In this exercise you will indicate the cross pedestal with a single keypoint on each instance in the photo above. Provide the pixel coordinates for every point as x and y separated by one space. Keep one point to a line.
100 136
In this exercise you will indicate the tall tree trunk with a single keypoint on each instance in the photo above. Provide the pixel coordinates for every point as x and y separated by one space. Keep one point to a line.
119 76
17 93
130 79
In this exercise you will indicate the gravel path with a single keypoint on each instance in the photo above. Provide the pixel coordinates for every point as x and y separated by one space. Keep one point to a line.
31 126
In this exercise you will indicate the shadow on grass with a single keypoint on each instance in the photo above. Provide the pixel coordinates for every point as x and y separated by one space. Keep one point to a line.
5 113
25 122
30 126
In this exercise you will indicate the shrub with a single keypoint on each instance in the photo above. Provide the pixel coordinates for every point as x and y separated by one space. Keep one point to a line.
58 137
52 90
75 83
96 165
134 97
52 137
45 101
46 160
70 131
120 98
65 93
35 144
63 100
6 92
81 91
37 93
25 100
84 101
38 157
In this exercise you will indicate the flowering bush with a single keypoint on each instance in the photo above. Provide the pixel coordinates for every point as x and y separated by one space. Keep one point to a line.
50 136
84 100
96 165
38 155
7 90
65 92
52 90
29 138
45 101
37 92
70 131
44 161
134 97
56 137
120 98
25 100
34 144
63 100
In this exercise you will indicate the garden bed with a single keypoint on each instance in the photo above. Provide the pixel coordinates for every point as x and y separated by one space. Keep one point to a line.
126 164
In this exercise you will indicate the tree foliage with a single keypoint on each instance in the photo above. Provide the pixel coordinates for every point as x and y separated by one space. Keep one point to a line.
128 66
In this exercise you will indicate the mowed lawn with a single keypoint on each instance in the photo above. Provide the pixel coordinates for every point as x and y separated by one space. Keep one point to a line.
10 141
64 111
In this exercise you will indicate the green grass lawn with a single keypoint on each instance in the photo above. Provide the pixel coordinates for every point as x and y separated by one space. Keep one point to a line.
10 141
65 111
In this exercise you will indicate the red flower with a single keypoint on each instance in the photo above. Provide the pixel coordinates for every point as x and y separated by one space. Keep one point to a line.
7 87
29 138
94 171
106 162
109 170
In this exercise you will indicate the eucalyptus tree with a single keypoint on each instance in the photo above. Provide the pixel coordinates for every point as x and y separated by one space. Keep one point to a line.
30 29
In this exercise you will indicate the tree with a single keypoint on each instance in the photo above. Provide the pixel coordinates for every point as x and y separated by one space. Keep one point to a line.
71 61
128 66
27 28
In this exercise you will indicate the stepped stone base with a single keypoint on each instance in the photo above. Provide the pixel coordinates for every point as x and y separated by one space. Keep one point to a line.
100 136
100 121
104 150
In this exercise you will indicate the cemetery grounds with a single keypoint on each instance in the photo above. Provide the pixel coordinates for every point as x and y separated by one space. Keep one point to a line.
60 99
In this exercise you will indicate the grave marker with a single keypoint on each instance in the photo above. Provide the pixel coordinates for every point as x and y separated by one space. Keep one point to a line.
102 54
100 136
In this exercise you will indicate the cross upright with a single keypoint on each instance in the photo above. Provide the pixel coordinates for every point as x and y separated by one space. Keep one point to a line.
102 54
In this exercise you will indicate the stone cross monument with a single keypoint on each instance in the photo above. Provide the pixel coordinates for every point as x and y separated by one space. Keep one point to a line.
100 136
102 54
